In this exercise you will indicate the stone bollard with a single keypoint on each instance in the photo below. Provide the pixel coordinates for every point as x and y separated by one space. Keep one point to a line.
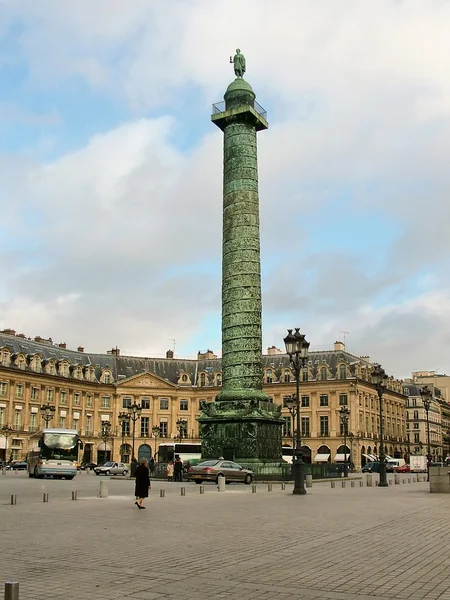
3 471
343 483
409 479
44 497
396 479
308 480
390 481
403 480
16 472
369 480
183 491
162 493
269 487
352 483
253 489
74 495
103 490
333 484
202 489
283 486
221 484
361 483
13 499
12 590
377 483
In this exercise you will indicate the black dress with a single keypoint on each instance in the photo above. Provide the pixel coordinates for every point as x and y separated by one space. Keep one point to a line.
142 482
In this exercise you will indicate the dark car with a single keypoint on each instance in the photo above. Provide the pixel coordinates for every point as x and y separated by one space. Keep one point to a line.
17 466
374 467
89 465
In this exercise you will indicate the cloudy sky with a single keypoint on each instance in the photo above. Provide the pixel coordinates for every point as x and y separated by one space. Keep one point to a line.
110 172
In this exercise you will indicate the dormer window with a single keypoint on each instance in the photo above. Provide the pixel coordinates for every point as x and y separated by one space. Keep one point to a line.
106 377
5 358
202 379
269 376
342 372
219 379
287 376
323 373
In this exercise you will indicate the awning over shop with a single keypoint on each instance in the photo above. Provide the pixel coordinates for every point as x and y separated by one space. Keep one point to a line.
370 457
342 457
322 457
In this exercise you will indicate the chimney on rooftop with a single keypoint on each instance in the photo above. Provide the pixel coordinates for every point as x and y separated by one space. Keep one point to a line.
114 351
62 345
9 331
339 346
80 349
169 354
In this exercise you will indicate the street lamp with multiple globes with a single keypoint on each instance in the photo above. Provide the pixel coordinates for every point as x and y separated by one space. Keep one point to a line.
6 431
124 420
344 415
426 394
134 412
156 432
378 378
181 427
106 433
297 348
47 412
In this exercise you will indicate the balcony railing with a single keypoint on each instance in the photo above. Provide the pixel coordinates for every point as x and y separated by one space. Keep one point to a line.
220 107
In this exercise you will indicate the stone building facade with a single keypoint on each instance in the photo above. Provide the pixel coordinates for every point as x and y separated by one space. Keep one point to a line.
86 389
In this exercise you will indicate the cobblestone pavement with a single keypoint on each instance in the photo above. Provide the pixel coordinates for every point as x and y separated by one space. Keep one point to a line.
353 543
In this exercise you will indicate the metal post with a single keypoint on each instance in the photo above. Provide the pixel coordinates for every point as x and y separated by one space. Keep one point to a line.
427 408
12 590
383 478
162 493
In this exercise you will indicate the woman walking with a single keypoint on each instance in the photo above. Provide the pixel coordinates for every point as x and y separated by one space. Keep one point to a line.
142 483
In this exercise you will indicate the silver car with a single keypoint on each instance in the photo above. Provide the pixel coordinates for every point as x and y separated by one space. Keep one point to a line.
212 470
111 468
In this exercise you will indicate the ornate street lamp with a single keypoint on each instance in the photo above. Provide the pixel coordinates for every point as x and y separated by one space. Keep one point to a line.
426 394
156 432
105 434
134 412
181 427
378 378
47 412
297 348
291 404
124 420
344 415
6 430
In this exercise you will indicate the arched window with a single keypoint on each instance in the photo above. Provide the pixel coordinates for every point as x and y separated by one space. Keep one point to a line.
305 374
287 376
416 415
269 376
342 372
202 379
323 373
219 379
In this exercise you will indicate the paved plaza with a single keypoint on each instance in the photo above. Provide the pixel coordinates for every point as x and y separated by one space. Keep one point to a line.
352 543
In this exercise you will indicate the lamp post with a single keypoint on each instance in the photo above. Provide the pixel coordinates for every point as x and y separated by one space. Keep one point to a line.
292 407
378 378
124 420
181 427
156 433
106 430
297 348
134 412
47 412
426 394
344 415
6 430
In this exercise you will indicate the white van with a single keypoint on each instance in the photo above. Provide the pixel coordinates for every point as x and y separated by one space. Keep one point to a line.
394 462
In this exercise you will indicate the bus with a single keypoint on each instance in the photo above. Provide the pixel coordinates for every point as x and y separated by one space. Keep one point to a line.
53 452
287 453
185 450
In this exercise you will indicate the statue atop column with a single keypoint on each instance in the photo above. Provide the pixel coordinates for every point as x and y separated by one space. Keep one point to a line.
239 63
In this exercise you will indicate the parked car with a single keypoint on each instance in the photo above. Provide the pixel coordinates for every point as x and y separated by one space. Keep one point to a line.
112 468
374 467
18 465
403 469
212 470
192 462
90 465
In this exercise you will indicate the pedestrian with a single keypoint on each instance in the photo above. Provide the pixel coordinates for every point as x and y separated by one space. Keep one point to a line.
152 466
178 469
142 485
170 468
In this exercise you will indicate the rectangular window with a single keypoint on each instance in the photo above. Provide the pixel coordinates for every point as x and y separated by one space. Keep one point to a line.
305 401
75 423
2 416
416 438
49 395
287 427
145 421
77 398
163 404
323 400
163 428
305 427
35 393
145 403
286 401
33 422
89 401
343 399
416 425
106 402
3 388
88 425
126 402
17 419
305 375
19 390
324 426
184 404
63 397
125 428
62 422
